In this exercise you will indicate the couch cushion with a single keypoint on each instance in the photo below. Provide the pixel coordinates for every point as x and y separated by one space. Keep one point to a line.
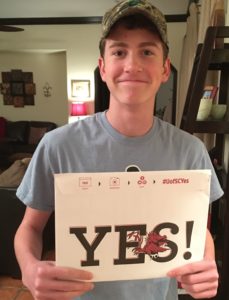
23 156
22 148
17 131
43 124
2 127
36 134
12 177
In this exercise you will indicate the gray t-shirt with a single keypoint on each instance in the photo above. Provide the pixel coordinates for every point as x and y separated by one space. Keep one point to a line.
92 145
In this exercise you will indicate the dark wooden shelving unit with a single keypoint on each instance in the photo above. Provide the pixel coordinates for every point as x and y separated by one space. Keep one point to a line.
219 127
213 54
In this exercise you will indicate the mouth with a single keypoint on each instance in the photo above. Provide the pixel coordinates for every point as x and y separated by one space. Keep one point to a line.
132 81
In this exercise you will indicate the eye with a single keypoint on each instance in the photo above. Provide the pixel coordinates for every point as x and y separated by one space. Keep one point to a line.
118 53
147 52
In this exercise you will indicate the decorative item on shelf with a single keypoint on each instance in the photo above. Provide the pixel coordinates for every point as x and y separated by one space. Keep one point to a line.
78 109
80 88
209 95
47 90
204 109
218 111
210 92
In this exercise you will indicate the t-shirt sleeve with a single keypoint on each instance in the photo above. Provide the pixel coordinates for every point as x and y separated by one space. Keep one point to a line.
37 187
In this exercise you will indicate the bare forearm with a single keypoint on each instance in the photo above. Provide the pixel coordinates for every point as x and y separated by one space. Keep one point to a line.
209 252
28 239
43 278
28 246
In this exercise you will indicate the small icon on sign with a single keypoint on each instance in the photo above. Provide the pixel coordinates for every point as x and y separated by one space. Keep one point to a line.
142 181
114 181
85 182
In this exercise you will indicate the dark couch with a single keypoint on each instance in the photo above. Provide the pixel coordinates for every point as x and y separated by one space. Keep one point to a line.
11 214
21 137
17 138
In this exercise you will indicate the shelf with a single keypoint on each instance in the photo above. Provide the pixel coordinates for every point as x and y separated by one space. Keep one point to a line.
208 126
211 127
209 58
219 59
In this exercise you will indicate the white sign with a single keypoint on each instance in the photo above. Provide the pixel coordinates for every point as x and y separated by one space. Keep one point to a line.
131 225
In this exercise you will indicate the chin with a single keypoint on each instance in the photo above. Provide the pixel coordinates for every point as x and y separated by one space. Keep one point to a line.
133 102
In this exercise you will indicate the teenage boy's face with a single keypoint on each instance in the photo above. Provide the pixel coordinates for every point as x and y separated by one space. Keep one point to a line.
133 65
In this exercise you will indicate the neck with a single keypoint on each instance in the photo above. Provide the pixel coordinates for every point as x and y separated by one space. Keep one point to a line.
132 122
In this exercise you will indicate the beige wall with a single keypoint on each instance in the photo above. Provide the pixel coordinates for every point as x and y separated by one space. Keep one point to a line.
49 68
176 33
81 45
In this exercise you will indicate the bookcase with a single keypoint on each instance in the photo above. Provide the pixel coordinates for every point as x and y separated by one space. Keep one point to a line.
213 54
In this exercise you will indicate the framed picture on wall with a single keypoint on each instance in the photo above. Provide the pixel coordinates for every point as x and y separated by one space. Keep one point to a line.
17 88
80 88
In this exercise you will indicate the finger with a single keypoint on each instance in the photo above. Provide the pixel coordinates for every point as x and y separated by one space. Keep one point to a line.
199 277
60 285
200 287
193 268
202 291
50 271
205 295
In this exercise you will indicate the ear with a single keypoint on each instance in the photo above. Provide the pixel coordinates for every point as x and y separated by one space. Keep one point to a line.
102 68
166 70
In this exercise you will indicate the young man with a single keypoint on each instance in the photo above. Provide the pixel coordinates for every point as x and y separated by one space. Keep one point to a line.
133 63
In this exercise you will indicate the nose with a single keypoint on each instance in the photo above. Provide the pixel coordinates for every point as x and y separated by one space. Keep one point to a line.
132 64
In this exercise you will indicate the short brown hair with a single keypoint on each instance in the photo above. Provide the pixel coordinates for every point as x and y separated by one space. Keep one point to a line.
131 22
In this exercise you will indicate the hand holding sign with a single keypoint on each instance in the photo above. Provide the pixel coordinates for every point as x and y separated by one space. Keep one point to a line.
46 280
199 279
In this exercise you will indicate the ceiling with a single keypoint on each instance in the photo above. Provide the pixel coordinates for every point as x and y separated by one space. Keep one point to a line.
76 8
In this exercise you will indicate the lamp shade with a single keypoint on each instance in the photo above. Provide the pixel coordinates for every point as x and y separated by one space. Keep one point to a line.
78 109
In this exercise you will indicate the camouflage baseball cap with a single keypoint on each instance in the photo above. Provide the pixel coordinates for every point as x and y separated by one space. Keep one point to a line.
131 7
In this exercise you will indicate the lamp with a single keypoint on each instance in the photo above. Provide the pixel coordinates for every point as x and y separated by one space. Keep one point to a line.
78 109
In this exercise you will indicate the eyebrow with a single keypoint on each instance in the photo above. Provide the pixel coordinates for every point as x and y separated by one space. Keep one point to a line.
141 45
118 44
